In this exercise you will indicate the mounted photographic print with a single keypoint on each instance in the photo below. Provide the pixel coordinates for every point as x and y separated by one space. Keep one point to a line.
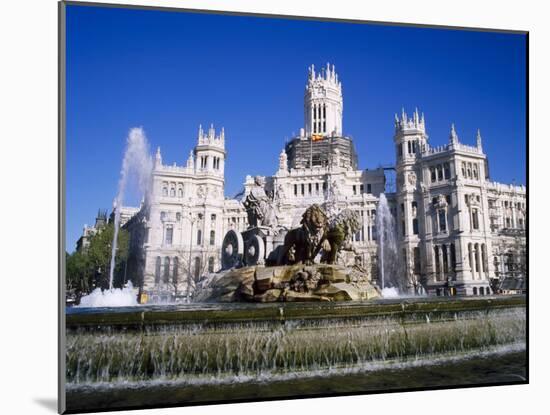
262 207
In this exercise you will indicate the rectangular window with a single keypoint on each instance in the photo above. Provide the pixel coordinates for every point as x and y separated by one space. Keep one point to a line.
403 229
317 188
309 188
475 219
303 187
415 226
442 221
295 190
169 235
453 257
439 172
416 260
447 171
432 174
361 189
369 188
354 189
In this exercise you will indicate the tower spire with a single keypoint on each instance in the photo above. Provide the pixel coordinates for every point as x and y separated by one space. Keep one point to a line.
158 158
453 138
323 102
201 132
478 141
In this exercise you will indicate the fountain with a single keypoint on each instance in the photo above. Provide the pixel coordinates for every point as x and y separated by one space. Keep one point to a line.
283 325
181 354
388 258
136 169
137 160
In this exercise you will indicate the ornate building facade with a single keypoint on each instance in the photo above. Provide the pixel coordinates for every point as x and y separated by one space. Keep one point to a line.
458 232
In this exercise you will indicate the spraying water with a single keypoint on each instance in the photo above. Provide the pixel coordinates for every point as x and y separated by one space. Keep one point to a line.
123 297
388 260
137 161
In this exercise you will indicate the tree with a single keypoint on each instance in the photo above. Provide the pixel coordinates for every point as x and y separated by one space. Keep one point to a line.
99 254
78 275
89 269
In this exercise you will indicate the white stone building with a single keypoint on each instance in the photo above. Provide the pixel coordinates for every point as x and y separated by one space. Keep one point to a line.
456 228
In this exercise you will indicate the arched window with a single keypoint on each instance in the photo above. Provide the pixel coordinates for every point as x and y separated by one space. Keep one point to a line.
180 192
166 276
416 260
211 264
172 192
197 270
165 191
481 291
445 260
212 237
199 237
475 290
157 270
175 270
453 257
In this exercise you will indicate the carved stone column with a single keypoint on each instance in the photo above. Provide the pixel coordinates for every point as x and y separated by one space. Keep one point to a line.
472 261
479 261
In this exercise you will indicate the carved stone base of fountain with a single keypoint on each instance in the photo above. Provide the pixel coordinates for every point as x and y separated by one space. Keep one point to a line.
318 282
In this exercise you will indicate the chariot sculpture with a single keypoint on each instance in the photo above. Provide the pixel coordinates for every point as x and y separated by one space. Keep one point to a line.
267 243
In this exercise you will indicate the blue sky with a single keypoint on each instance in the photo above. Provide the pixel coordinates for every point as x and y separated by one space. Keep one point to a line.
169 72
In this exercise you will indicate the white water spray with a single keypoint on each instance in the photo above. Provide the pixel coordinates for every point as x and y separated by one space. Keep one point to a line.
387 246
137 161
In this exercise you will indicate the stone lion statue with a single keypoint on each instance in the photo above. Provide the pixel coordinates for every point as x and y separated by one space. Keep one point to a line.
339 233
302 244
